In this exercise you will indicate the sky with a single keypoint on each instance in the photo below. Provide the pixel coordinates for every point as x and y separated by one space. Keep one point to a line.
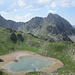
24 10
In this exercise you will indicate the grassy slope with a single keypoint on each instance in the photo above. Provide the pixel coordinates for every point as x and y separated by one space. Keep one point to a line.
29 42
60 50
2 73
36 73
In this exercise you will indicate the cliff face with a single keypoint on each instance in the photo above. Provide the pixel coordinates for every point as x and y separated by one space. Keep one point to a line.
51 27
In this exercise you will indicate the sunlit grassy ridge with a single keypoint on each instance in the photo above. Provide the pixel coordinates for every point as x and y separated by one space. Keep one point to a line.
63 51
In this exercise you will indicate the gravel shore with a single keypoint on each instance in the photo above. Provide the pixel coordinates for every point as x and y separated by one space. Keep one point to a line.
15 56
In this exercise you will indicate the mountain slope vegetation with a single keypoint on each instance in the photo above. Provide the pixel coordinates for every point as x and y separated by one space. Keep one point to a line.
51 36
63 50
11 40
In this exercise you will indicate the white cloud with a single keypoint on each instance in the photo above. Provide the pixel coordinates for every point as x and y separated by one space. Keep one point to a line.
14 9
21 18
27 15
18 17
66 3
1 2
1 12
73 3
34 4
63 3
51 11
53 4
35 9
43 1
12 5
21 3
28 7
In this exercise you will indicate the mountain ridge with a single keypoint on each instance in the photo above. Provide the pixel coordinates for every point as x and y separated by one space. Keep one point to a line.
51 27
40 28
9 23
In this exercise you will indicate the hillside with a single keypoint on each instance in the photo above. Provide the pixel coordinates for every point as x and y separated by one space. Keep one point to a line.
63 51
9 23
52 36
51 27
11 40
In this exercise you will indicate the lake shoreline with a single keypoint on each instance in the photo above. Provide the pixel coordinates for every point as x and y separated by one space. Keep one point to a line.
16 55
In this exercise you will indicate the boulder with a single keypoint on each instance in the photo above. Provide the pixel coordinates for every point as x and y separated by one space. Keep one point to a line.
1 60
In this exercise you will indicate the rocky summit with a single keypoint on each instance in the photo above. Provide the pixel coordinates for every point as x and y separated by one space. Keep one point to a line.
53 27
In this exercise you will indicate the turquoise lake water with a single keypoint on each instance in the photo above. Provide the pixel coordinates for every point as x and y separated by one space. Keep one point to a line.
28 63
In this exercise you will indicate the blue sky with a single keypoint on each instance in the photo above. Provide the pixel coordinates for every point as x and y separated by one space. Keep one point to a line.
24 10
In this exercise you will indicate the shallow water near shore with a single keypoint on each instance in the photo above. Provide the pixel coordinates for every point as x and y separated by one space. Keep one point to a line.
28 63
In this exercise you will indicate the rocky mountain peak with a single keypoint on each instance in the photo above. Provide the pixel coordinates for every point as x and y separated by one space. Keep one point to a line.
50 27
51 18
36 20
50 15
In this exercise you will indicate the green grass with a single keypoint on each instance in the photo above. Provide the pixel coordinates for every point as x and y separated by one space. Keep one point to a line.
2 73
30 43
36 73
60 51
63 51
